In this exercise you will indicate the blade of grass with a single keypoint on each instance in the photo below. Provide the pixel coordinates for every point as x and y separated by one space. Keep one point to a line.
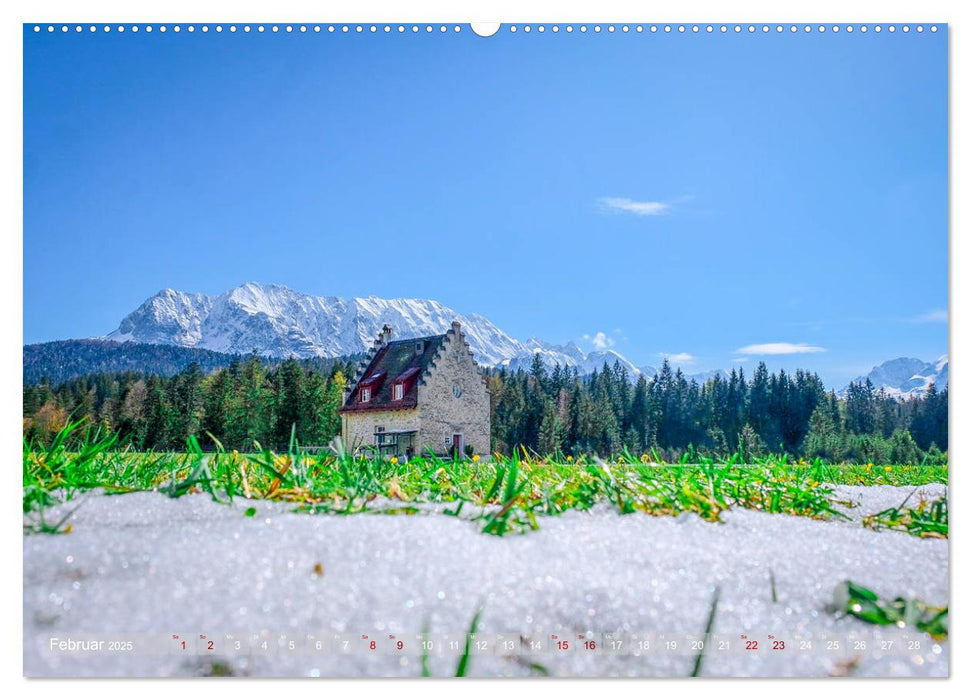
463 666
696 671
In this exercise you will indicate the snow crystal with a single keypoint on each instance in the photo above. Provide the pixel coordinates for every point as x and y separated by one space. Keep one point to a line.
145 564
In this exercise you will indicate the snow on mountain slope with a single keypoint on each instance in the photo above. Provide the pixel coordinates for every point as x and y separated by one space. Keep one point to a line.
598 358
702 377
279 322
169 317
908 376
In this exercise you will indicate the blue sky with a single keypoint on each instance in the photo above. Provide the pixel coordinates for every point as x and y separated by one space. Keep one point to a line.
716 198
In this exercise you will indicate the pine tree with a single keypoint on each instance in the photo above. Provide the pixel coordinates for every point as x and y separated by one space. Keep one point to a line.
823 438
289 395
158 417
758 409
335 398
639 416
550 431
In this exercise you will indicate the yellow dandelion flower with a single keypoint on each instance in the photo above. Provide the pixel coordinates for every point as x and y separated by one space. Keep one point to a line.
888 468
570 458
645 459
394 460
476 458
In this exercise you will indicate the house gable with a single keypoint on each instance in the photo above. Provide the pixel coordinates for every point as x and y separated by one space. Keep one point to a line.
423 394
453 398
389 380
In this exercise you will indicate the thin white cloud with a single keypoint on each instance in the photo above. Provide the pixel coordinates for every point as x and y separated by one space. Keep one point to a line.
933 316
779 349
739 360
681 358
599 340
630 206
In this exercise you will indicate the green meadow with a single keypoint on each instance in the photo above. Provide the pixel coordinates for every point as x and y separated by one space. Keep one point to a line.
503 495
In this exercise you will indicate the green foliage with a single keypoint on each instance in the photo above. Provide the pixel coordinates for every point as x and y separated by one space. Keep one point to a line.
463 666
773 413
65 360
864 604
547 412
55 472
506 495
928 519
250 400
511 517
200 476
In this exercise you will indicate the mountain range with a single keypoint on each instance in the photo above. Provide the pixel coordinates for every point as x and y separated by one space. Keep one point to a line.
278 322
908 376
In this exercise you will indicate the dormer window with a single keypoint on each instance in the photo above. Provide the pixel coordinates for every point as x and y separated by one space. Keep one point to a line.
369 386
419 347
403 383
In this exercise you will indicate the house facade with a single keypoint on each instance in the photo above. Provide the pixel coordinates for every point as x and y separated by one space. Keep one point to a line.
417 395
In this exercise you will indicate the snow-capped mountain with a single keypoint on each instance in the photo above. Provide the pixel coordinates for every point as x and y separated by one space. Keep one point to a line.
569 355
280 322
908 376
702 377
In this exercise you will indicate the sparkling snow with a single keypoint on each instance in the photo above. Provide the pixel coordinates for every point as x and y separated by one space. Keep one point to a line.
144 564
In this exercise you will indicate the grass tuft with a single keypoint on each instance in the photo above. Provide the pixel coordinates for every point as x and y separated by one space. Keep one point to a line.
853 599
927 520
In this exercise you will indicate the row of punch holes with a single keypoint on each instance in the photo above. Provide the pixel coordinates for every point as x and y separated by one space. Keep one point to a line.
512 28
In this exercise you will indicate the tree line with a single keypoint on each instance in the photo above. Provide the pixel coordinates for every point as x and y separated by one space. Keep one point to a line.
546 411
245 402
670 415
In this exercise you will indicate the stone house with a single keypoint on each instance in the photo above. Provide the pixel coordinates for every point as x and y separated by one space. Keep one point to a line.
413 396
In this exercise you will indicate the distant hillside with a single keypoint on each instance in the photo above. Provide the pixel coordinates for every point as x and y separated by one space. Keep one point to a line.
63 360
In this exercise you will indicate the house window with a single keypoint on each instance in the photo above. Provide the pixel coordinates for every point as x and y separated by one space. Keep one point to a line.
365 394
398 392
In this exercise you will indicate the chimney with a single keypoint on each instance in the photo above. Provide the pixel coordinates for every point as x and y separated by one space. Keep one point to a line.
456 327
385 334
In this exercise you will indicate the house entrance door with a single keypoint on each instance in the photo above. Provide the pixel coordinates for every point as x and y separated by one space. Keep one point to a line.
457 445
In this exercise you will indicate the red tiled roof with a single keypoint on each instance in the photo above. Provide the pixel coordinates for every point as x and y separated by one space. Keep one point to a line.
372 380
407 374
405 360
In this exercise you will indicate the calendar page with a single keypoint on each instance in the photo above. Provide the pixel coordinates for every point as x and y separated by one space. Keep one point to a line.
436 349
